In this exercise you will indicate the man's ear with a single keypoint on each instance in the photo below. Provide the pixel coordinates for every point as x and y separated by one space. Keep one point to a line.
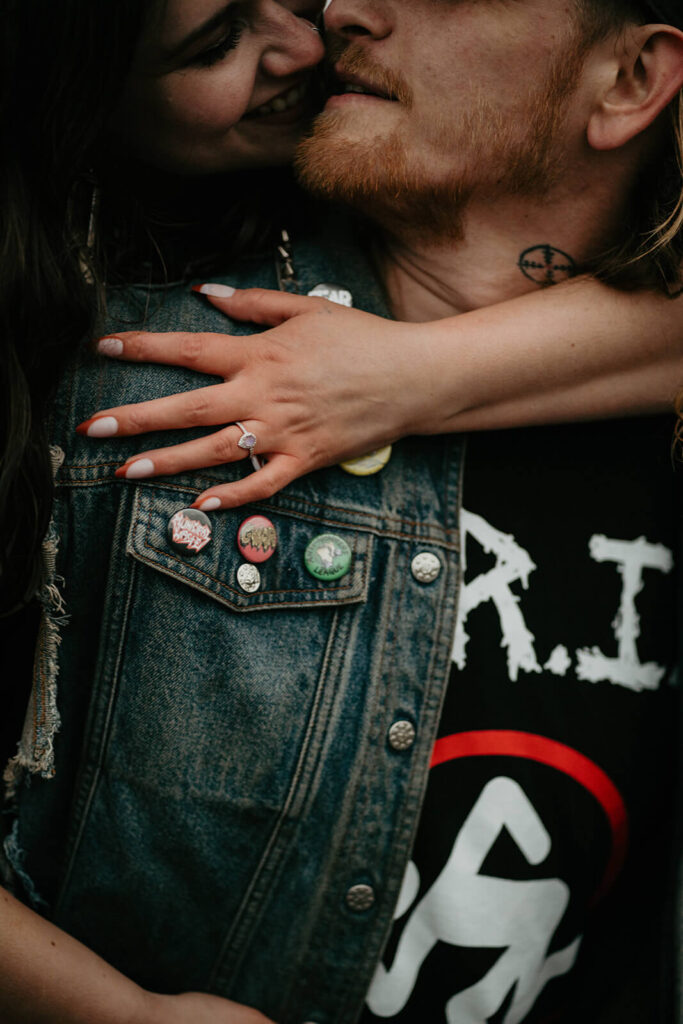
643 79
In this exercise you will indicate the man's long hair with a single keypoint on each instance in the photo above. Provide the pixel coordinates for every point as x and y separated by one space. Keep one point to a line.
651 249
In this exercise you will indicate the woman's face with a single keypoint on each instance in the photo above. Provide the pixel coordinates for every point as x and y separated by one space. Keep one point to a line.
220 84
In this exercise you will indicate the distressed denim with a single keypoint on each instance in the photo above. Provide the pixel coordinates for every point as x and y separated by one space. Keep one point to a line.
222 774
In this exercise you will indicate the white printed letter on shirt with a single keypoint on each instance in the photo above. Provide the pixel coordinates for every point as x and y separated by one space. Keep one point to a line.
631 558
513 563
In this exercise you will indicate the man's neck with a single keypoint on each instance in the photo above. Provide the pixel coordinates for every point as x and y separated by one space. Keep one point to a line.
509 247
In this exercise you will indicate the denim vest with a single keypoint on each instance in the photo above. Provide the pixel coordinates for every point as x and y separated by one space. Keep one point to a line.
215 801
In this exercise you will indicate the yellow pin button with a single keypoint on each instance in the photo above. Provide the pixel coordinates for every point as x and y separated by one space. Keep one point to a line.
367 465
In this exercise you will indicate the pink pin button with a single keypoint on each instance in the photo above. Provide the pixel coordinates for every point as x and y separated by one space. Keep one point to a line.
257 539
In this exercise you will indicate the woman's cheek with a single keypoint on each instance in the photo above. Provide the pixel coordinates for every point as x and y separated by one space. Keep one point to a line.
211 103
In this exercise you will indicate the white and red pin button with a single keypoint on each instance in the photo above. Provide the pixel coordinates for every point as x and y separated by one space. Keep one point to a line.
189 531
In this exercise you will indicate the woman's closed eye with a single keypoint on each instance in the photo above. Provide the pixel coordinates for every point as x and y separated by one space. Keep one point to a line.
215 53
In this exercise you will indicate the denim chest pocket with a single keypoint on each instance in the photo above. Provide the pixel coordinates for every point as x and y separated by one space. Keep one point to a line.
203 686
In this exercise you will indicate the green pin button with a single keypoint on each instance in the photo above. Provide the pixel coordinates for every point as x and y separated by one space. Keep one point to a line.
328 557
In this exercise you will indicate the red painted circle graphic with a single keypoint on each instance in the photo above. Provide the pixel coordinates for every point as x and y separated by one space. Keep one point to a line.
493 742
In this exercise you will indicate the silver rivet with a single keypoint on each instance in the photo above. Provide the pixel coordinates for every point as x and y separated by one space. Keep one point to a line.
360 897
249 578
426 567
402 735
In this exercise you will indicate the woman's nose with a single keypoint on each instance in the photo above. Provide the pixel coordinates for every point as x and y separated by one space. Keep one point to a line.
295 44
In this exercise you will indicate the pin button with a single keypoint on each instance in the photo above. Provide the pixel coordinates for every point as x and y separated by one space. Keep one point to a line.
189 530
426 567
368 465
333 293
402 735
249 578
257 539
360 898
328 557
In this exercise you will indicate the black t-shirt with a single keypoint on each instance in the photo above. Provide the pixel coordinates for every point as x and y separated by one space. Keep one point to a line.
539 883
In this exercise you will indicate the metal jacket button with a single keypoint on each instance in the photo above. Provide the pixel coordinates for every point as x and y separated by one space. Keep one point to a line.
189 530
402 735
426 567
360 898
257 539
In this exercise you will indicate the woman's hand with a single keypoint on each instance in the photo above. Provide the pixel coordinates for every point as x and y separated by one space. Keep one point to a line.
327 384
200 1008
46 976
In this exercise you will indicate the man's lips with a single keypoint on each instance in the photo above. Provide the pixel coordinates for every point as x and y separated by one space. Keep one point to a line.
359 85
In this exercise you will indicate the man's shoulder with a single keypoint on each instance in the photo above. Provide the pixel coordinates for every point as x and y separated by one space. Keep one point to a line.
332 255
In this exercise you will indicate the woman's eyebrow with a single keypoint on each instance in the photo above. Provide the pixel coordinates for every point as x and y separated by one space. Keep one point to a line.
198 33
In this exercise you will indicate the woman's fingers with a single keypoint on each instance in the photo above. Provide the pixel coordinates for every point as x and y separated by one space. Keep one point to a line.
279 471
204 352
209 406
260 305
212 450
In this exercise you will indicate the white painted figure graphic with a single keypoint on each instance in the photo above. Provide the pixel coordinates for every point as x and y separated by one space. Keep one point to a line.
465 908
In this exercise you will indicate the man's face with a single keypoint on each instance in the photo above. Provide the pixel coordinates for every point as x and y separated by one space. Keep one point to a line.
464 98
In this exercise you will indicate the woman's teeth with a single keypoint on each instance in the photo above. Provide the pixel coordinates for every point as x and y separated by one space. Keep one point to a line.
281 103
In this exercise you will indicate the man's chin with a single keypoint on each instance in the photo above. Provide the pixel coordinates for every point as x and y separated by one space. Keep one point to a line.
342 158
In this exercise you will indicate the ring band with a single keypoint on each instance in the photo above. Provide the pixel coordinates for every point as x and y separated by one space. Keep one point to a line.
248 442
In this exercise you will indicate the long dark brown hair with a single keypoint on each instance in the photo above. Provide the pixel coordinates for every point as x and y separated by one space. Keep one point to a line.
62 67
62 63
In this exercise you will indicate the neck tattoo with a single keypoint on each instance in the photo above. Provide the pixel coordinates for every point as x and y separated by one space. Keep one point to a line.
545 265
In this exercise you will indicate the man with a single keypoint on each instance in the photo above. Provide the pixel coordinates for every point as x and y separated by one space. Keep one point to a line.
245 809
498 146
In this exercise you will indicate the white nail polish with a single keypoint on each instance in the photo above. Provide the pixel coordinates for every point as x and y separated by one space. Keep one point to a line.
219 291
106 426
142 467
210 504
110 346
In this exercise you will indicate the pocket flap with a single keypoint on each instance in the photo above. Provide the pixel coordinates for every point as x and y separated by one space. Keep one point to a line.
284 578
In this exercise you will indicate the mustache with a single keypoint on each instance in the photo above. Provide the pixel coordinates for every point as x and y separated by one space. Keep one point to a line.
351 59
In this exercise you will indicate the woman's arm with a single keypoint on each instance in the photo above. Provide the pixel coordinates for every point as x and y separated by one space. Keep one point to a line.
47 977
328 383
578 351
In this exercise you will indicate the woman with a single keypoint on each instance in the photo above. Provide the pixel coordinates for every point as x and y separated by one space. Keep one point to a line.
64 66
95 978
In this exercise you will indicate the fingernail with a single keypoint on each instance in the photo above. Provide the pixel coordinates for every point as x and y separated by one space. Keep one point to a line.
105 426
209 505
219 291
139 468
110 346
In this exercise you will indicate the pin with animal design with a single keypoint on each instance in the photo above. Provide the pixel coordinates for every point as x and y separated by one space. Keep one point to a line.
328 557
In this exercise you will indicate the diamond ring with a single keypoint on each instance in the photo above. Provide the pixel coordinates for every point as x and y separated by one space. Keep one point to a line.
248 442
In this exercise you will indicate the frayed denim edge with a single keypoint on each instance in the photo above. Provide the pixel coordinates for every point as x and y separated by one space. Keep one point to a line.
35 752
